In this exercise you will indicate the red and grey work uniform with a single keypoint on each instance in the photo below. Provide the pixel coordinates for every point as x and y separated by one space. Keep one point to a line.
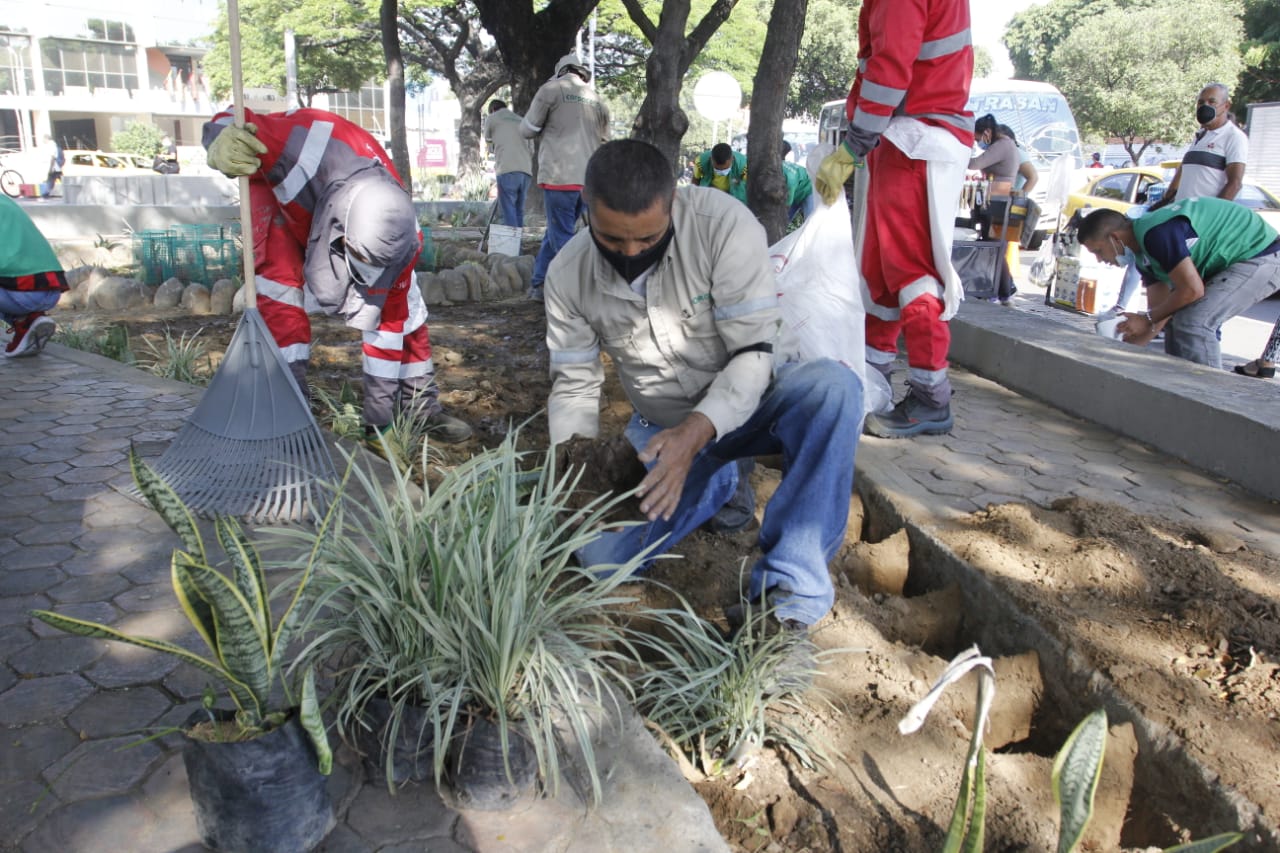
325 184
907 115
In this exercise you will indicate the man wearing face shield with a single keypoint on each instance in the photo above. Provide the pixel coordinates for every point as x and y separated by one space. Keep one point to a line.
676 286
333 228
1203 261
1213 166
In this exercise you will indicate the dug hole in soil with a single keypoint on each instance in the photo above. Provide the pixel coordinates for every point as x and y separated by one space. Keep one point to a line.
1173 630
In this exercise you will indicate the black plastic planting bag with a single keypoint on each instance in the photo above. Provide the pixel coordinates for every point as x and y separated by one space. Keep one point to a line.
479 775
263 795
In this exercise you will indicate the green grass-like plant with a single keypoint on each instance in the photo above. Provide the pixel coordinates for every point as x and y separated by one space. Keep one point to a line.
714 700
89 335
184 358
463 601
231 611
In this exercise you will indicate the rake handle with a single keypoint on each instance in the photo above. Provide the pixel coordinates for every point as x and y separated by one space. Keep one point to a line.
246 208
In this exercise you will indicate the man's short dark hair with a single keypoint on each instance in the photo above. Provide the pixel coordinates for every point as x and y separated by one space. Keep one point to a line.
786 148
628 176
722 154
496 105
985 123
1099 224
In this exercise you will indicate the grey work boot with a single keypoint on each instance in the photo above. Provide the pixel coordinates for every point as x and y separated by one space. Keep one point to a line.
447 429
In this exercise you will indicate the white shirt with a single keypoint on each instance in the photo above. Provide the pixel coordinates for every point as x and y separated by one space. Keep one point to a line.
1204 166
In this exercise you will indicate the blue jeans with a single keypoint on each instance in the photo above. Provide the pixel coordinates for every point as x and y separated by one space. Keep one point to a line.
16 304
812 415
512 189
563 209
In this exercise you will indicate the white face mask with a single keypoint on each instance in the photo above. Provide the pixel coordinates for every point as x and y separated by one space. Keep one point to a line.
363 272
721 172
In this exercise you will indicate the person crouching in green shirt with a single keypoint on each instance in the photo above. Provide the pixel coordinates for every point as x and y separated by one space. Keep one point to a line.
1203 261
31 281
799 187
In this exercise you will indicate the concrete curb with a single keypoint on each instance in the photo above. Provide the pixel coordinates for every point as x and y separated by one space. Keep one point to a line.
1217 421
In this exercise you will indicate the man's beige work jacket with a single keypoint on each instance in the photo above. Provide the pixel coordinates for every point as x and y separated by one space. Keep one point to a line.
511 151
711 295
572 122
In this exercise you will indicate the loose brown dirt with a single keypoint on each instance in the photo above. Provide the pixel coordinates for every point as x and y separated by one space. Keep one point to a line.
1184 622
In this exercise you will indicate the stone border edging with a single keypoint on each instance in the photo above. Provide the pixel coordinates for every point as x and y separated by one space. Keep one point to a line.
1219 422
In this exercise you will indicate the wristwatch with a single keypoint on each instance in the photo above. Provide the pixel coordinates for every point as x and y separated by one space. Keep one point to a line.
1147 314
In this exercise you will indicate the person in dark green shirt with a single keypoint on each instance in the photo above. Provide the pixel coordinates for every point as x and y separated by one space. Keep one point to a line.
31 281
799 187
1203 261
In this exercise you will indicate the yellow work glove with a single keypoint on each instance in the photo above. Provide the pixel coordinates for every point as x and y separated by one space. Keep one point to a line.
835 169
234 152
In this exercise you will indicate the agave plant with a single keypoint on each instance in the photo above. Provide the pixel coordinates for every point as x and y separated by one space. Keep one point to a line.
183 358
462 601
715 700
232 614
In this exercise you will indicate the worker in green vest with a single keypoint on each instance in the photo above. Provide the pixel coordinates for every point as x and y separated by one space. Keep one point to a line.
1202 261
724 169
799 187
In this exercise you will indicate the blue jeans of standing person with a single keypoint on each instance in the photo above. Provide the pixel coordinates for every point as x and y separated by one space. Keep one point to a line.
812 415
563 209
17 304
513 187
1193 331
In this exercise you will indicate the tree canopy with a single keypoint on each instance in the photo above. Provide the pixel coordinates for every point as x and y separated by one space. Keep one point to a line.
1134 73
338 46
1260 80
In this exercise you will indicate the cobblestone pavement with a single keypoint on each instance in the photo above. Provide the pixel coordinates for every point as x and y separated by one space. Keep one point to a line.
72 775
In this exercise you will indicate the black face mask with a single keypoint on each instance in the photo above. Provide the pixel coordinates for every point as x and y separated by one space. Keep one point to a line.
630 267
1205 113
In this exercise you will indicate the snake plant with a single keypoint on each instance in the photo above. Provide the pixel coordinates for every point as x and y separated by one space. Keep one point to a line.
230 610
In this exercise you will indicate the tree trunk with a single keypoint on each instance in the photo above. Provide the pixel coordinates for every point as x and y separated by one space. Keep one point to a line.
395 76
530 42
660 121
767 189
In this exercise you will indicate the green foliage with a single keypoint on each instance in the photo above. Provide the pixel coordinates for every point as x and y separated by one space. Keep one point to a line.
1135 73
462 600
1208 845
1260 80
339 46
230 608
138 137
341 414
716 701
828 57
1076 771
184 359
1034 33
89 335
101 242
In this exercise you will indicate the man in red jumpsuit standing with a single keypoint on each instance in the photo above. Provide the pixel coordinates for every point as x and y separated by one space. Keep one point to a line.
333 228
908 125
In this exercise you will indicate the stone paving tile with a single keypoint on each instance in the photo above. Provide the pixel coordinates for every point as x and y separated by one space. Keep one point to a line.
102 768
96 587
25 804
36 700
415 812
38 557
27 581
49 533
13 609
119 712
56 656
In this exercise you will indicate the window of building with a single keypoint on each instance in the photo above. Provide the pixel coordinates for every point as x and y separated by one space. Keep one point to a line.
364 107
95 65
15 65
